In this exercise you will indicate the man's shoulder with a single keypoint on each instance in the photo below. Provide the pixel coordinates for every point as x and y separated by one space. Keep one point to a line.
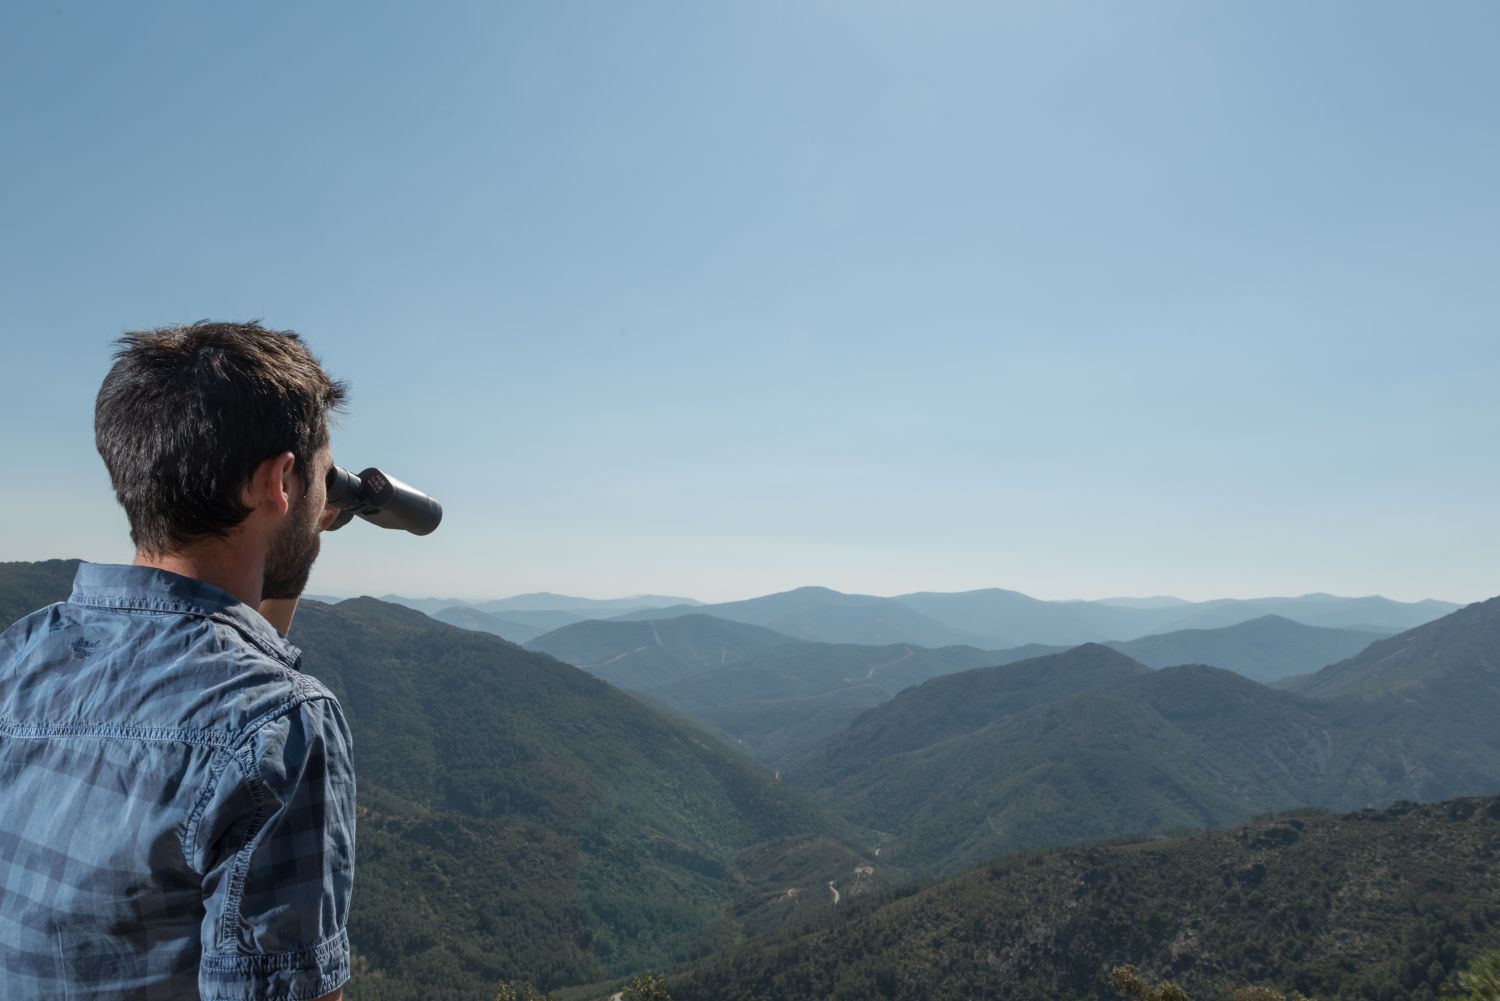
200 673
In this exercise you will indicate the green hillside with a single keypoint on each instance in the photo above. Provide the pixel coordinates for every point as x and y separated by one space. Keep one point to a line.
25 587
643 656
775 696
959 704
1090 744
550 827
522 819
1418 711
1185 747
1383 906
783 703
468 617
1264 649
1453 654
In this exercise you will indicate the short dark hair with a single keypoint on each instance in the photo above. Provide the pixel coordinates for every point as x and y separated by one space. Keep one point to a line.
187 413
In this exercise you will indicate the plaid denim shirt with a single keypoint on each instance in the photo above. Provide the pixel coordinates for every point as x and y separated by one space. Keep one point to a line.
176 801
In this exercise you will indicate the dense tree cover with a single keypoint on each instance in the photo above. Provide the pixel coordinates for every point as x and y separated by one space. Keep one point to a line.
1265 649
525 821
957 705
774 695
1128 983
510 991
646 987
1373 906
25 587
1481 981
522 821
1074 746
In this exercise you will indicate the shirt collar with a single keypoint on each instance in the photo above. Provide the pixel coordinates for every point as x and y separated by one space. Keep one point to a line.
110 585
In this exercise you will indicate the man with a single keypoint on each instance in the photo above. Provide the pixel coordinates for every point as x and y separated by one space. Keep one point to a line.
176 798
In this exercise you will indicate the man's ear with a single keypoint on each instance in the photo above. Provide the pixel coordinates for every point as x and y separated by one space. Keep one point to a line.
273 484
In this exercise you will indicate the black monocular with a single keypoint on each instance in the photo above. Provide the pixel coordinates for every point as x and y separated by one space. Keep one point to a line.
381 500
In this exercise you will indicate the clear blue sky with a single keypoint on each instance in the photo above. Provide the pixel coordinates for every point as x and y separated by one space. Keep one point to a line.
724 298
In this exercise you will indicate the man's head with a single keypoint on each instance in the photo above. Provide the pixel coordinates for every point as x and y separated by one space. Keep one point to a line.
199 424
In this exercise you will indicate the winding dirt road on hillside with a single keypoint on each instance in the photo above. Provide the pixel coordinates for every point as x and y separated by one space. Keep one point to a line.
890 663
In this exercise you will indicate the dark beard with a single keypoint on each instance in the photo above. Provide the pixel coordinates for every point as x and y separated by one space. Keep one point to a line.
289 563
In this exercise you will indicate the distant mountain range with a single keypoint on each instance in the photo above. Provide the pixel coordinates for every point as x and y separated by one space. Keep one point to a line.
1090 744
826 616
522 819
1012 618
517 625
1265 649
779 696
543 601
999 619
991 618
776 695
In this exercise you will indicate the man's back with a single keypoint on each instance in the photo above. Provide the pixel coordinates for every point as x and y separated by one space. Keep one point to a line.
176 801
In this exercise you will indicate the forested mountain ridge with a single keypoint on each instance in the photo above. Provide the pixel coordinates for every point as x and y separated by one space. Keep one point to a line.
513 627
1009 618
1263 649
1419 710
960 703
520 818
1089 744
989 618
644 655
774 694
1379 905
605 836
1454 653
1127 753
780 697
537 601
26 587
823 615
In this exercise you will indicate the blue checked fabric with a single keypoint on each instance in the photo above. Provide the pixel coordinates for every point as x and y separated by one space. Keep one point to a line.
176 801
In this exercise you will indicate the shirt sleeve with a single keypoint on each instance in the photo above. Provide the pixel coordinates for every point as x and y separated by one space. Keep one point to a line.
278 852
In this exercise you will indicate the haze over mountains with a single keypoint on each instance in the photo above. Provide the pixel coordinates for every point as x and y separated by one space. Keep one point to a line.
1263 649
1088 744
1374 905
522 819
778 694
774 694
998 618
763 674
992 618
523 816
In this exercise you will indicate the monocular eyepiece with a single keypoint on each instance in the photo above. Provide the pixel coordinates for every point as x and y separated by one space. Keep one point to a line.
381 500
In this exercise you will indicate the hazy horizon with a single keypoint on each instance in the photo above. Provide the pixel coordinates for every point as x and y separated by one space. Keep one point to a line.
726 299
479 599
